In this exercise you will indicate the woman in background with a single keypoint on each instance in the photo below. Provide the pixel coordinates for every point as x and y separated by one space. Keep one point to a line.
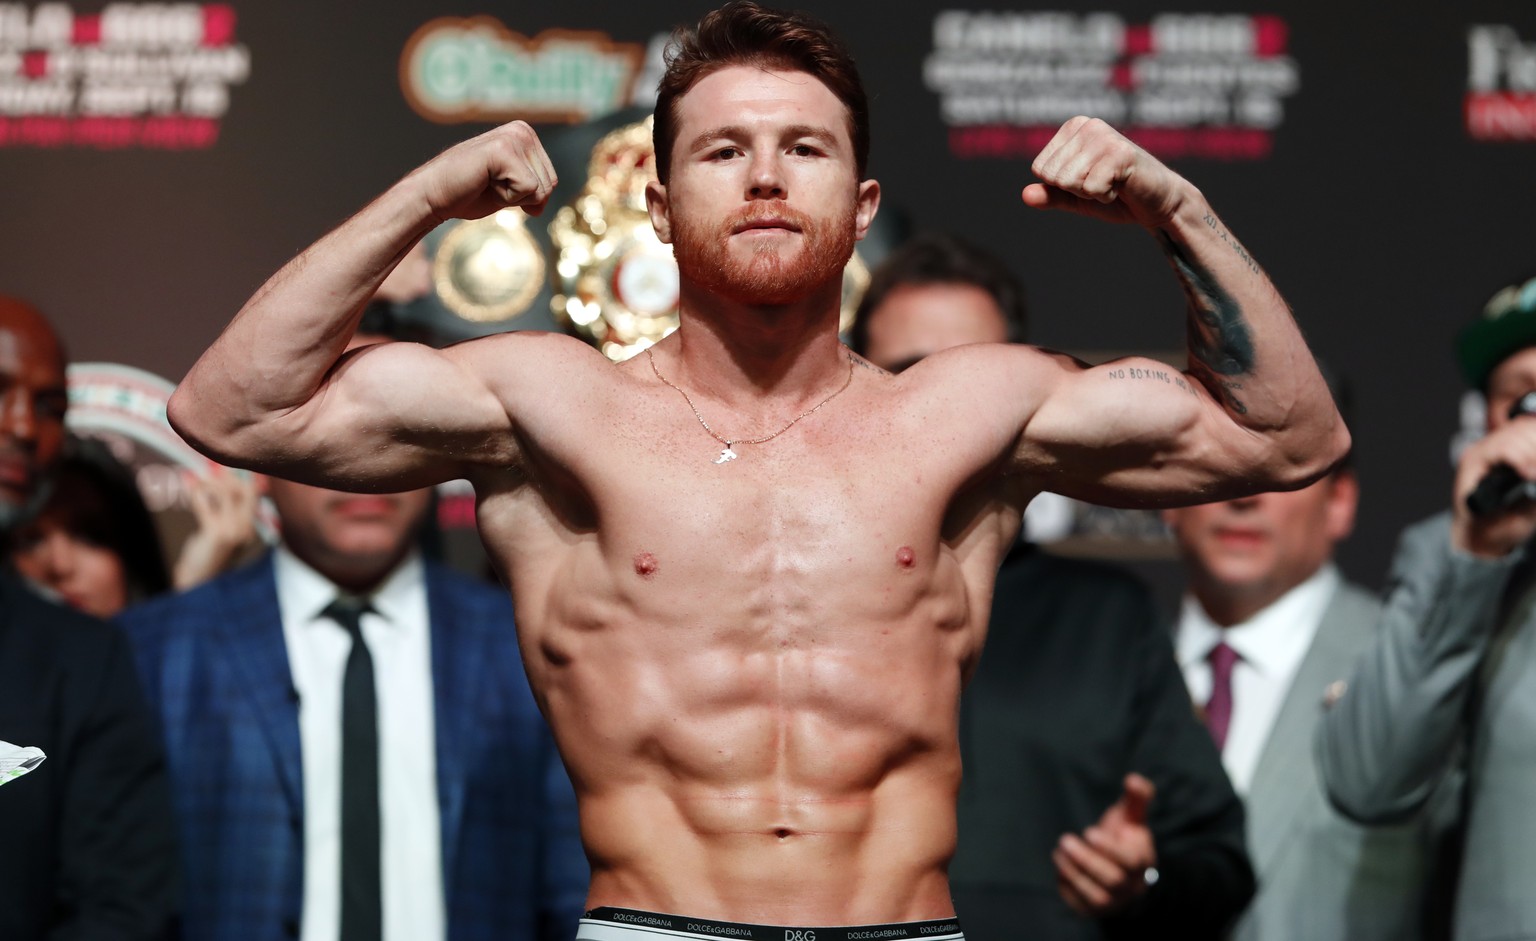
94 546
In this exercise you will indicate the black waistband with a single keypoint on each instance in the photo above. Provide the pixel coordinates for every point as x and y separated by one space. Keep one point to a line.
916 930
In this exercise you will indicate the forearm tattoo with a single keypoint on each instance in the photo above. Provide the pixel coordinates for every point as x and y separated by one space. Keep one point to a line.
1220 343
1232 243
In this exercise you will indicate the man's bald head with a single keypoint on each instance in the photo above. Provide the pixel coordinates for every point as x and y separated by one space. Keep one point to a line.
32 403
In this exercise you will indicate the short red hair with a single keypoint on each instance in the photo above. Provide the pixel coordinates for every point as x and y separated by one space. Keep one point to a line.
743 33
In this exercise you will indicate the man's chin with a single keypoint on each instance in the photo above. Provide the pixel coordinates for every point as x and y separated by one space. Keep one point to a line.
774 284
17 507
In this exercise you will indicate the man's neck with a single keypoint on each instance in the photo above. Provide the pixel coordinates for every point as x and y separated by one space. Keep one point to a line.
1228 609
355 576
1228 606
751 357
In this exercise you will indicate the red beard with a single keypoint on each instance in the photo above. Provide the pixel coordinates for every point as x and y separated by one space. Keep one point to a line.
704 257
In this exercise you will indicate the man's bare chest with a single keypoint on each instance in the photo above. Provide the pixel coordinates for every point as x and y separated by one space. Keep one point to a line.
865 481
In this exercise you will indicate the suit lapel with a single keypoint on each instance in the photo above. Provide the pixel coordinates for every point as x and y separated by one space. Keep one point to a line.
457 659
249 629
1286 774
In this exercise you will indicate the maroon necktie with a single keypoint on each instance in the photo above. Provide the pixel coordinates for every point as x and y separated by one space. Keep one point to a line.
1218 711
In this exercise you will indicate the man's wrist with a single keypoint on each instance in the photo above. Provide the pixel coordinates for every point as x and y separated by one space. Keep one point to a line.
409 202
1188 213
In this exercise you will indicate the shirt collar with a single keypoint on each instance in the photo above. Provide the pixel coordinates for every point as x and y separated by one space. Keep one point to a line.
304 593
1274 640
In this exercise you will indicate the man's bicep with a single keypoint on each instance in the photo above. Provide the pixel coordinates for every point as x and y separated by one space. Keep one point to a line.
394 414
1131 432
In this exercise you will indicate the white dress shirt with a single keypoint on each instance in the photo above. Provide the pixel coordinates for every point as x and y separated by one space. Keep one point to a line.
1271 646
399 640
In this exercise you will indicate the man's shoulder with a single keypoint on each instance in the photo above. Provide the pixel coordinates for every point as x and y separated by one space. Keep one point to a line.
1430 536
177 610
981 367
46 628
509 358
454 587
1095 608
1354 599
1029 568
1347 624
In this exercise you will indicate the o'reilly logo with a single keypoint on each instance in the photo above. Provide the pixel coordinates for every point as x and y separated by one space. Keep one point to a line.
458 70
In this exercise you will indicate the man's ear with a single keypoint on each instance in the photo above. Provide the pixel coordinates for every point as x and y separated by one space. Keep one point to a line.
1343 501
659 209
868 204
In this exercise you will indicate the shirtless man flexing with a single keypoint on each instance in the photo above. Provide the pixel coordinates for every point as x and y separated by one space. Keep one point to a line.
751 570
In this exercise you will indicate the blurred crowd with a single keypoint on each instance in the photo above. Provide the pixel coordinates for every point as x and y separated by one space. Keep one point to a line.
332 738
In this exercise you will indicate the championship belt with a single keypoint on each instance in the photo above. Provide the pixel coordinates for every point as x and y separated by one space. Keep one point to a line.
491 269
616 283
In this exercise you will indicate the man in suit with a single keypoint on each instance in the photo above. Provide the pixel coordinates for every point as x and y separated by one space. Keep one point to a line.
1077 713
354 747
1446 697
90 850
1267 632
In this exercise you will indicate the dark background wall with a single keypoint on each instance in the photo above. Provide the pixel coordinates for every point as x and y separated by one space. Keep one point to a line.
1383 222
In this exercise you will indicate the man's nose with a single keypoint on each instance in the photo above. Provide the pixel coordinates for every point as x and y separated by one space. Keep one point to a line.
1245 504
18 415
767 180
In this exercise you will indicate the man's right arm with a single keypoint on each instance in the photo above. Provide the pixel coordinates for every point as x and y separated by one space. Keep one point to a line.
1252 411
1400 726
275 393
1386 745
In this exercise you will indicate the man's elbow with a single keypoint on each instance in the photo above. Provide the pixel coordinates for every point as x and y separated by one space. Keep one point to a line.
206 428
1372 804
1364 779
1301 463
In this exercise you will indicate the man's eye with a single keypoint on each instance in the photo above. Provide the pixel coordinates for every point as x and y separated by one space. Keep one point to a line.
803 150
26 540
727 153
53 405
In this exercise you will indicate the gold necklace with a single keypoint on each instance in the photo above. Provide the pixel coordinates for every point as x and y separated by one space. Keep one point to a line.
729 454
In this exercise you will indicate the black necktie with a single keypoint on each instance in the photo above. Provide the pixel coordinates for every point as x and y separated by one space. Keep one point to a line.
361 908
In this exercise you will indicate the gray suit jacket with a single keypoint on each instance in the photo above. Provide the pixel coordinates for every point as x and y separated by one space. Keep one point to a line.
1446 700
1322 877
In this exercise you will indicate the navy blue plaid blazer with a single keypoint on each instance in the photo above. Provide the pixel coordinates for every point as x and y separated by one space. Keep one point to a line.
215 669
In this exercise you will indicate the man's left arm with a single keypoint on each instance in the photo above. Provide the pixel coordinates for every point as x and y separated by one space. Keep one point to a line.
563 869
1178 816
1251 412
117 853
1197 822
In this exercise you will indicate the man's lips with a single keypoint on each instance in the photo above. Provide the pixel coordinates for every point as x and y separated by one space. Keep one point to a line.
364 505
15 472
769 223
1241 537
